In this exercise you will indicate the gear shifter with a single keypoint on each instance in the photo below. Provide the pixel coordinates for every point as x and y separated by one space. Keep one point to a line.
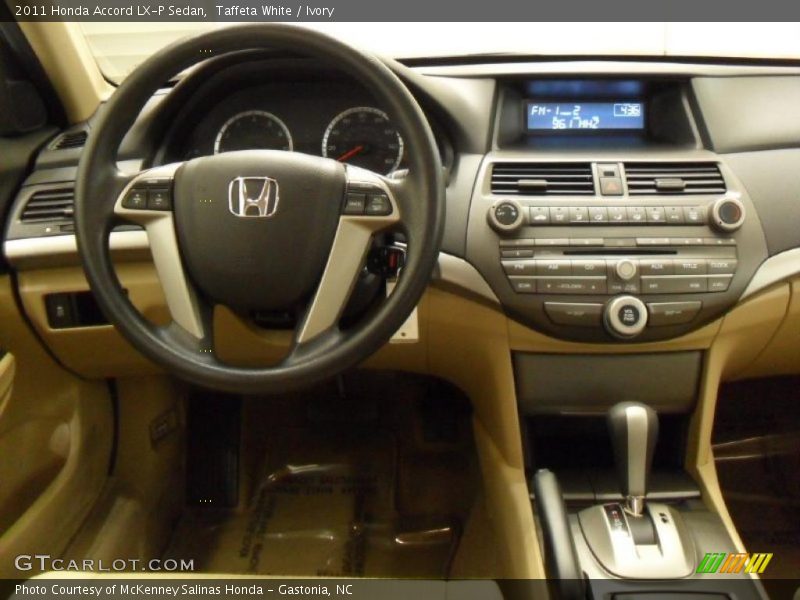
634 430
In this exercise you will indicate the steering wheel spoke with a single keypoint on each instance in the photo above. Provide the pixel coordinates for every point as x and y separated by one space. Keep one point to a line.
369 207
147 201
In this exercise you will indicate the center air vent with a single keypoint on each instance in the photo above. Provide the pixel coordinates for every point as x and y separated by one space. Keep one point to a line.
542 179
72 139
673 178
49 205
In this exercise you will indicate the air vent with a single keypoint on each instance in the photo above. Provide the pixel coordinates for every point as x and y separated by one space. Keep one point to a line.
49 205
542 179
673 178
72 139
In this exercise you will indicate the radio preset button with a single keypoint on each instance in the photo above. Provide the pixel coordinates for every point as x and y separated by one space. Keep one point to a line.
516 253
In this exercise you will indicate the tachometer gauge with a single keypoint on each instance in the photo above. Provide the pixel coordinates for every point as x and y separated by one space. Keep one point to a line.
253 130
363 136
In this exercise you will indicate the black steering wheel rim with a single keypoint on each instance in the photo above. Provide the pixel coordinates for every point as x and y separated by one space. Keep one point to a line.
99 183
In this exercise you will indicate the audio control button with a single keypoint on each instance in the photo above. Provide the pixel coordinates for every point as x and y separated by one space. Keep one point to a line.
516 253
589 268
573 313
690 267
674 285
556 268
625 270
625 316
656 266
722 266
572 285
673 313
519 267
523 285
719 283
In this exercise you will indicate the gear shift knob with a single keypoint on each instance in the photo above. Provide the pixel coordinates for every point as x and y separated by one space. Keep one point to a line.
634 430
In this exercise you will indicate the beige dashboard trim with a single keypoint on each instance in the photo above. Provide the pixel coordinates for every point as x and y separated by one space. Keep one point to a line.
603 67
70 66
62 250
776 268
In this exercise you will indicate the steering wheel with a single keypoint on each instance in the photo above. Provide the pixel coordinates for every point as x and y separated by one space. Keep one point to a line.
259 229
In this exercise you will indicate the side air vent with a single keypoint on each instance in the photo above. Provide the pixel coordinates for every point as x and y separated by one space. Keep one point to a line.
673 178
71 139
49 205
542 179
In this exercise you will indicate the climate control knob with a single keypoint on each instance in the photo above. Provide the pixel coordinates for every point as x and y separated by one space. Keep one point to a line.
625 316
506 215
626 270
727 214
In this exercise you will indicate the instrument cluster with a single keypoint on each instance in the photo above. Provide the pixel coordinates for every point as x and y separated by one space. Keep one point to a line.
333 119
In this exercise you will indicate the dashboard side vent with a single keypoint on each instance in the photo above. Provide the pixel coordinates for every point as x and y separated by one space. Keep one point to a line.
49 205
70 139
542 179
673 178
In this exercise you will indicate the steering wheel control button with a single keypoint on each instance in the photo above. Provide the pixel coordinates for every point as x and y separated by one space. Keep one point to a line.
355 203
506 215
727 214
577 314
673 313
625 316
378 205
159 200
135 199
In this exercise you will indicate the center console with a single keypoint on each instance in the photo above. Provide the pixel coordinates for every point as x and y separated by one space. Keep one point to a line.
628 232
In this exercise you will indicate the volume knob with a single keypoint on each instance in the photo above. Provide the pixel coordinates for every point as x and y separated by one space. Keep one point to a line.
625 316
506 215
727 214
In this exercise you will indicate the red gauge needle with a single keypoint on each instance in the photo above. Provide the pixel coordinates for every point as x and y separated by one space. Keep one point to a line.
350 153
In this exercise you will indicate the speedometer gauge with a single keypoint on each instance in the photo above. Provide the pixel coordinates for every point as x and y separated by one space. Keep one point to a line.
363 136
253 130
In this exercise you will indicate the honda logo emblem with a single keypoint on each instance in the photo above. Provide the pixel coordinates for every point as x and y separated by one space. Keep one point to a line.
253 197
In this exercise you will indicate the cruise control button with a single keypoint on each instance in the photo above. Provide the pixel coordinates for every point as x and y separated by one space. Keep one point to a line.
673 313
723 266
159 200
570 313
519 267
719 283
354 203
135 200
690 267
656 266
553 267
523 285
378 204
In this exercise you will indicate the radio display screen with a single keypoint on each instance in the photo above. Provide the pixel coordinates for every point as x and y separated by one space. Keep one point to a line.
585 116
